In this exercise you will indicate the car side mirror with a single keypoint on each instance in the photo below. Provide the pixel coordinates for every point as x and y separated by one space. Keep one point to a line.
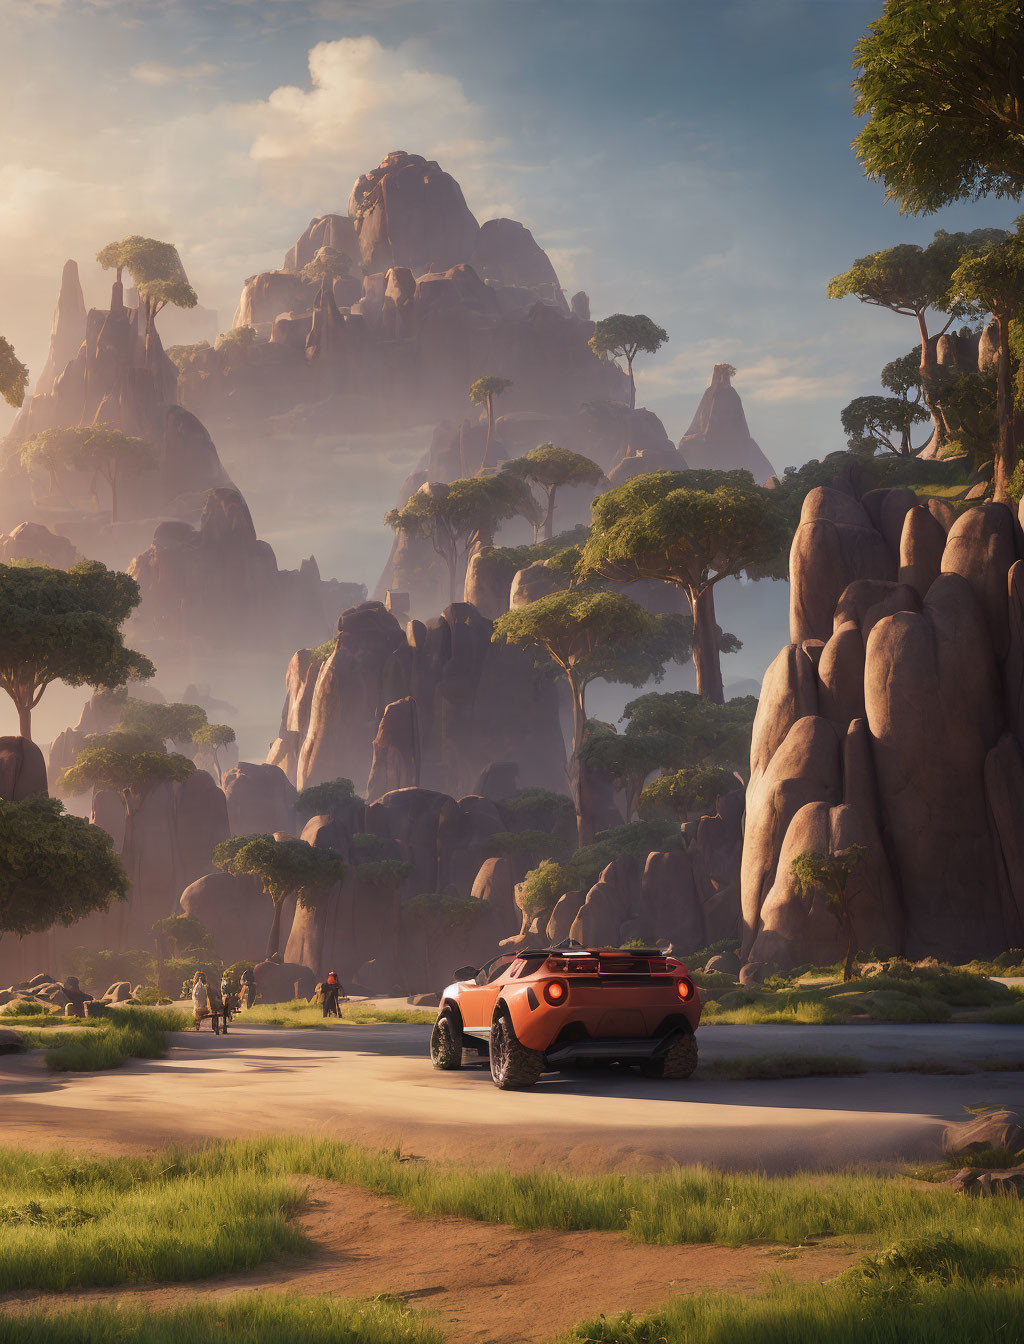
465 973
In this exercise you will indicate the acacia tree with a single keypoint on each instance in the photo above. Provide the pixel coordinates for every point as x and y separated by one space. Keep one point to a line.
624 337
590 636
156 268
872 422
13 375
626 760
992 281
54 868
913 281
940 87
132 763
64 625
482 393
103 449
283 868
830 874
458 516
550 467
691 529
215 737
326 266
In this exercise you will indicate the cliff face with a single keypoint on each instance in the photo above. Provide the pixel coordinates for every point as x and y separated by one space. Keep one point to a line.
718 436
432 300
895 720
103 368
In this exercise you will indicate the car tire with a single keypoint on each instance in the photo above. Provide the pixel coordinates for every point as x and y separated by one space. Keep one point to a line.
446 1042
512 1064
678 1061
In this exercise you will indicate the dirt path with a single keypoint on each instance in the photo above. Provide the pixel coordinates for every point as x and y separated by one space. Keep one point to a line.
374 1085
480 1282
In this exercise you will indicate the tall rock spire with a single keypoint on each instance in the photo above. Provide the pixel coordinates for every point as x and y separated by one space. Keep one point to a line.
68 330
719 438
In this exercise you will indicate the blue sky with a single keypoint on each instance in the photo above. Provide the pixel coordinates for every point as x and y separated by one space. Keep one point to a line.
682 158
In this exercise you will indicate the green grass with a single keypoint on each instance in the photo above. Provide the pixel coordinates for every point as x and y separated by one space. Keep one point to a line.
299 1013
766 1067
895 1309
179 1215
103 1042
1010 1014
770 1010
269 1318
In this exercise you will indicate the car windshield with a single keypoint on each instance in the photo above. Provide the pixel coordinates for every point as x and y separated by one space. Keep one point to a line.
493 969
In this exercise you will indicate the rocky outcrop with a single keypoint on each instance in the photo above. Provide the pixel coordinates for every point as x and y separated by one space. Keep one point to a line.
901 733
718 437
22 769
118 374
33 541
220 585
456 677
68 330
260 800
234 911
396 750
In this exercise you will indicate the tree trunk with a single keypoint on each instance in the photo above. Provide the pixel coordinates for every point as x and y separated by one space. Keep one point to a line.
1004 463
584 822
632 384
928 366
707 660
851 950
490 430
549 517
274 941
452 564
25 721
113 496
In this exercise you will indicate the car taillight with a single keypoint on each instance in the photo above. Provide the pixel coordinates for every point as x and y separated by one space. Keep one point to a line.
556 991
684 988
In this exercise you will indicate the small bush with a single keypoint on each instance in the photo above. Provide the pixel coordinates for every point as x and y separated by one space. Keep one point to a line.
23 1008
103 968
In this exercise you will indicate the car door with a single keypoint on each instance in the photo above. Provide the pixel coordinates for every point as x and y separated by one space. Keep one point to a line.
477 1000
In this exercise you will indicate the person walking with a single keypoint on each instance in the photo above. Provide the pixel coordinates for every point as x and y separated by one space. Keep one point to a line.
200 998
332 990
248 986
217 1013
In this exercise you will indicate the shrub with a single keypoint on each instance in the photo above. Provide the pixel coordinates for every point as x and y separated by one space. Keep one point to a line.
326 799
100 969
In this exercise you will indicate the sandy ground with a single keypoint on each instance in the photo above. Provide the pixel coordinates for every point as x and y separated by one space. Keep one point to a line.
374 1085
477 1282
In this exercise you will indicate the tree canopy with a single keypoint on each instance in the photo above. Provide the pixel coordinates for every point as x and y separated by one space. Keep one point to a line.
592 635
991 280
54 868
64 625
327 798
624 336
103 449
881 424
328 264
13 375
456 517
156 269
939 86
686 792
691 529
911 280
283 868
132 764
550 467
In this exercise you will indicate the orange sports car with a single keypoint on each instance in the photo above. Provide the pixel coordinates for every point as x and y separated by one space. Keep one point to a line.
545 1009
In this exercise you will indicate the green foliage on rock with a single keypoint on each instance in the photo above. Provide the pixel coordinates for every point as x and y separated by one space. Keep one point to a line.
327 265
100 450
830 874
156 268
54 868
326 799
13 375
686 792
549 468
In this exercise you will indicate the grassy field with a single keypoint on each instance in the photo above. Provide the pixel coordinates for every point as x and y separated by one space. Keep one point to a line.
938 994
179 1215
299 1013
268 1318
74 1044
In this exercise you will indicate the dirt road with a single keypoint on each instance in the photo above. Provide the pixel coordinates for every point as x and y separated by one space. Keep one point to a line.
374 1085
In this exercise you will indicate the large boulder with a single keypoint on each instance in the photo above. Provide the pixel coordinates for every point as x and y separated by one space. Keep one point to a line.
409 212
981 547
22 769
932 705
260 800
234 910
834 544
396 750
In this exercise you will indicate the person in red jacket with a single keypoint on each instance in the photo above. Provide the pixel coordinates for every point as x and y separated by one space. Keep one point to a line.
332 992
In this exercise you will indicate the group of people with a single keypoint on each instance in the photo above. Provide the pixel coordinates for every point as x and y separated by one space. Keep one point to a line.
219 1003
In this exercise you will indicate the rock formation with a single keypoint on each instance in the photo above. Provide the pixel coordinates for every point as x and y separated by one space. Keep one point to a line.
718 436
455 676
892 721
33 541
